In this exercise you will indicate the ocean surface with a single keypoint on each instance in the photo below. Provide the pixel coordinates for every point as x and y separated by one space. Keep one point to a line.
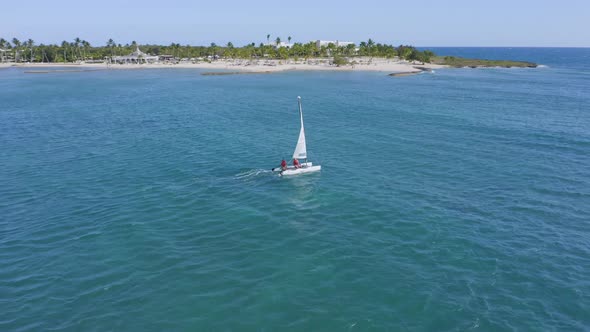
143 200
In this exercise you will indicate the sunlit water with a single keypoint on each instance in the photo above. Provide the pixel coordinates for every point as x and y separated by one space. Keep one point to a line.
143 200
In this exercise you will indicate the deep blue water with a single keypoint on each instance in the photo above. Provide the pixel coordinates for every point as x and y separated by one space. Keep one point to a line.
142 200
569 58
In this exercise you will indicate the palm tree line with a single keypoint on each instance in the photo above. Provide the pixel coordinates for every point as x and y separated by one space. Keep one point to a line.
82 50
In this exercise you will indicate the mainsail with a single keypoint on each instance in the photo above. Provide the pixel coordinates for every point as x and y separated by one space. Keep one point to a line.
300 150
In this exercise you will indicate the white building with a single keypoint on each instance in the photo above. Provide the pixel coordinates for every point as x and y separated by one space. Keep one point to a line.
136 57
320 43
6 55
3 55
281 44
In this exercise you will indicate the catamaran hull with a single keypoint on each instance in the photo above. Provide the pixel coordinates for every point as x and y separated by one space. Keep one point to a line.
307 164
302 170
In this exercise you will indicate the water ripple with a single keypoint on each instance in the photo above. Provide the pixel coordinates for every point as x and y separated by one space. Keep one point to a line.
465 208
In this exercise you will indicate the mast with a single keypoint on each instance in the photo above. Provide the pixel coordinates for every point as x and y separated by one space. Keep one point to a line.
300 110
301 116
300 150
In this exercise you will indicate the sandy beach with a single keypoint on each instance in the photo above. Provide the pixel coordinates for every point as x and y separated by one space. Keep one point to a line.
253 66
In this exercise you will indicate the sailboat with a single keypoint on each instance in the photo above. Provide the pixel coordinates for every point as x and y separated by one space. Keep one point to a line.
299 153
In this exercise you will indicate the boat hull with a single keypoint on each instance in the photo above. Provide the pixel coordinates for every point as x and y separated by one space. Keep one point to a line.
302 170
278 169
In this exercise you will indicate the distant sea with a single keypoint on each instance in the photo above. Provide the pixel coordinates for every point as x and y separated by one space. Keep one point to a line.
572 58
143 200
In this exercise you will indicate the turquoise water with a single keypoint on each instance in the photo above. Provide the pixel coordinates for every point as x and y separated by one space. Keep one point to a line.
143 201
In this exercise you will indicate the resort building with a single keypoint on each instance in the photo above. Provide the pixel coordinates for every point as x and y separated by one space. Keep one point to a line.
6 56
281 44
136 57
320 43
168 58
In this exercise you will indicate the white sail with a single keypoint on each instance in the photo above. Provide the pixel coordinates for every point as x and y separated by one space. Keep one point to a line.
300 150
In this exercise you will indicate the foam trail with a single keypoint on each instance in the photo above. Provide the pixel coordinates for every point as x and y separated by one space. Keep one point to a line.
251 173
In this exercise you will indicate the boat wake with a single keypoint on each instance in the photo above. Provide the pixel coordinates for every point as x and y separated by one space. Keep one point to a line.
251 173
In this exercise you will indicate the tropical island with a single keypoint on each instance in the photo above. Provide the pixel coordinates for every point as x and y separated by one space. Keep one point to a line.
272 56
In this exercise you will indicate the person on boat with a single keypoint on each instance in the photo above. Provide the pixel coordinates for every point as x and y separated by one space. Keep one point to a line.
283 165
296 163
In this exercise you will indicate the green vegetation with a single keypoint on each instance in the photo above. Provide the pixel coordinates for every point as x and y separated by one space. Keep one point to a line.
81 50
474 63
339 61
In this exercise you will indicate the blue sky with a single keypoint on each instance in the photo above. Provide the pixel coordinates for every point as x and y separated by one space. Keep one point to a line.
420 23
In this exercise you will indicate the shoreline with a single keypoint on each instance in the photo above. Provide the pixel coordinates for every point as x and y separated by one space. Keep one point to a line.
244 66
392 67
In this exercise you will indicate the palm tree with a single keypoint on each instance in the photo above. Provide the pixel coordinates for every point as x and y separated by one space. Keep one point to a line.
268 39
297 49
64 45
110 44
31 44
363 48
86 46
82 50
278 41
77 44
309 49
370 44
230 49
187 47
174 49
289 39
331 49
72 48
263 50
2 46
213 49
42 48
177 47
24 45
16 44
350 49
